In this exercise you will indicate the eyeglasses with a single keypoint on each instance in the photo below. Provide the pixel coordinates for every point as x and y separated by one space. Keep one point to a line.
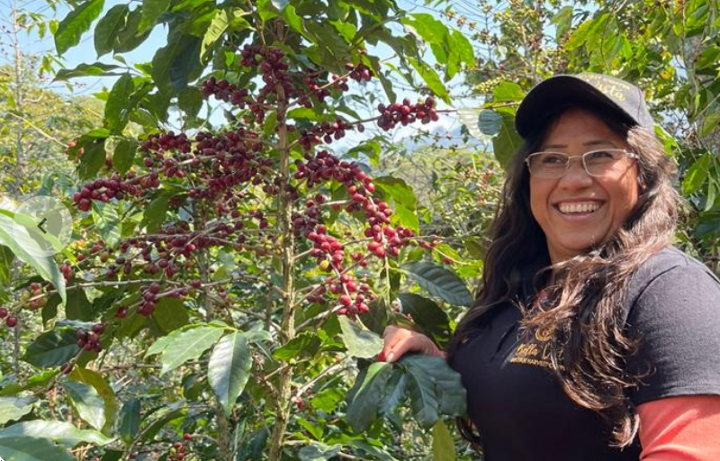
597 163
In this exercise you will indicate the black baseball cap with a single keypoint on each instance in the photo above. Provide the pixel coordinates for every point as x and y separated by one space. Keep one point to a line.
586 89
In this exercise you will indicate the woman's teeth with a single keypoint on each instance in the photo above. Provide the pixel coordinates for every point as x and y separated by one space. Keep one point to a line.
578 207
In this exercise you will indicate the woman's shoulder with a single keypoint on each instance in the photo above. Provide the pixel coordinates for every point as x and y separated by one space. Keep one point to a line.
671 271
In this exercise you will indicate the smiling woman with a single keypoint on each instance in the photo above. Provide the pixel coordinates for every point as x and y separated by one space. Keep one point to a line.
591 337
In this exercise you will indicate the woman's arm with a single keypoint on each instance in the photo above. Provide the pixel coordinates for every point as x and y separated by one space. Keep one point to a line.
684 428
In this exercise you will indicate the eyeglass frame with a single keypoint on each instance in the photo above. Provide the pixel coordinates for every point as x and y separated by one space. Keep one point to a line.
628 154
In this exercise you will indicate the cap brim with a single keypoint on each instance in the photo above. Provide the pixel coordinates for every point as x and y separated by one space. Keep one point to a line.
558 92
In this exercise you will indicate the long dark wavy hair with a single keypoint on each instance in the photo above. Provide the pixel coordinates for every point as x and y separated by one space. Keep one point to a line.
588 346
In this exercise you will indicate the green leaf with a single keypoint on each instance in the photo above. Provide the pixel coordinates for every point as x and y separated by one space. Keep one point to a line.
31 382
155 213
124 154
117 110
52 348
443 443
189 345
96 380
508 92
460 45
434 389
45 266
563 22
427 27
394 392
23 448
319 452
440 282
710 123
170 314
360 342
190 101
92 159
129 420
363 408
76 23
217 28
295 21
327 400
431 79
130 36
87 403
108 28
97 69
403 196
6 260
56 431
151 11
229 369
107 222
12 408
508 141
697 174
305 344
431 320
175 64
490 122
78 307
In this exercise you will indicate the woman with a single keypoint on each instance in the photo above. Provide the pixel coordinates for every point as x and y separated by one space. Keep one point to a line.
591 338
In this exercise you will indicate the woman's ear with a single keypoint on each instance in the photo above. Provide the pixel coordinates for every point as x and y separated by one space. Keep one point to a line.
641 182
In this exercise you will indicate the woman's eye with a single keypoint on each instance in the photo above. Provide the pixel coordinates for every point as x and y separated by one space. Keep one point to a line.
554 159
601 155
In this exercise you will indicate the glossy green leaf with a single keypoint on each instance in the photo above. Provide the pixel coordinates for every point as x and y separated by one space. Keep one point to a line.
13 408
507 142
103 389
175 64
189 345
190 100
151 11
319 452
52 348
697 174
130 36
427 27
78 306
117 111
490 122
507 91
32 382
360 342
403 196
107 222
363 407
440 282
426 315
97 69
431 79
87 403
92 159
24 448
108 28
44 266
155 213
443 443
6 261
57 431
303 345
563 22
170 314
394 393
229 369
217 28
124 154
460 45
129 420
76 23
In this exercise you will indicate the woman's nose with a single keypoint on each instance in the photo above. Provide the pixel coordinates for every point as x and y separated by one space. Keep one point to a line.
576 175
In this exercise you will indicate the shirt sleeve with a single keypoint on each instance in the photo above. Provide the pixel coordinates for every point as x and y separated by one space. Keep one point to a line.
680 429
677 318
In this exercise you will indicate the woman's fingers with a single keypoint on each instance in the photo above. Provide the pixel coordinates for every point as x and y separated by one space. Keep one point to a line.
399 341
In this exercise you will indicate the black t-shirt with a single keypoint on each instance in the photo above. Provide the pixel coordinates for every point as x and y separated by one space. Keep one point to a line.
517 404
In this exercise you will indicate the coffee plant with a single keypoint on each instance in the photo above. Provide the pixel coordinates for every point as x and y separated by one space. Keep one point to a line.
231 276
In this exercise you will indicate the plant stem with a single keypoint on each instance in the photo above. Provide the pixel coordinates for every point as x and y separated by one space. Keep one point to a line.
287 324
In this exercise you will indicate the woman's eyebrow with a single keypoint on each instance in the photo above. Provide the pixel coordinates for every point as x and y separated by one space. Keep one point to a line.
594 142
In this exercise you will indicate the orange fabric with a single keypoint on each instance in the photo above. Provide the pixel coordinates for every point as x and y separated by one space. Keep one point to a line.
685 428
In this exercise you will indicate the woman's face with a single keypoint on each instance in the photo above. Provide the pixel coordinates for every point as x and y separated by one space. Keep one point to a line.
562 207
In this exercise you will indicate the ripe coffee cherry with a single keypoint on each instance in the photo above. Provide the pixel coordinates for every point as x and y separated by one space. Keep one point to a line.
3 312
187 436
11 321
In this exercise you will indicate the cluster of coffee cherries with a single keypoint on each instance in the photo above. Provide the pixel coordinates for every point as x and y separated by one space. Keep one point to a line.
326 132
179 450
10 320
33 298
149 296
406 113
104 190
90 340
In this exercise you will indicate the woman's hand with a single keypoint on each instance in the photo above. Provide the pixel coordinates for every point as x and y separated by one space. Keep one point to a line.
399 341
